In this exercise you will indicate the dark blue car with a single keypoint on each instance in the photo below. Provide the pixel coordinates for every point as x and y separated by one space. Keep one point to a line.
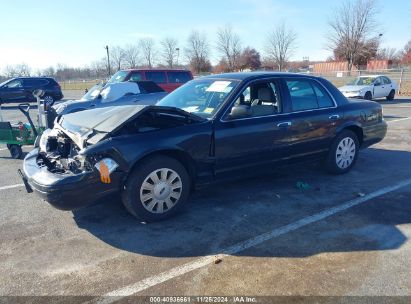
207 130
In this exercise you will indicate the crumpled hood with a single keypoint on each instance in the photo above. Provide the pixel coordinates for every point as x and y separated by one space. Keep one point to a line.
82 125
63 105
353 88
97 124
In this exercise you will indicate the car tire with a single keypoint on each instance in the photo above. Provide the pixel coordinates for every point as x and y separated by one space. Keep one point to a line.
368 96
343 153
15 151
156 189
48 101
391 96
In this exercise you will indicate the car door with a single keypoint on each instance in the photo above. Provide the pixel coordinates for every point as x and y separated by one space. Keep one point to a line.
388 85
254 140
314 117
13 91
379 88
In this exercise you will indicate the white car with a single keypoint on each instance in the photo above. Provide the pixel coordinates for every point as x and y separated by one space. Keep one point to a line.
370 87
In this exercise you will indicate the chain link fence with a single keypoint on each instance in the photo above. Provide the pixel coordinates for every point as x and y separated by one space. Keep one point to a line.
401 76
339 78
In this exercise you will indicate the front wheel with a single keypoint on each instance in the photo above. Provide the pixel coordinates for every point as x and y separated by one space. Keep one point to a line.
343 153
156 189
391 95
368 96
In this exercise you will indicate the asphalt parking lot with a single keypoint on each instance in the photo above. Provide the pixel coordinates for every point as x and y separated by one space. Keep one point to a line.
346 235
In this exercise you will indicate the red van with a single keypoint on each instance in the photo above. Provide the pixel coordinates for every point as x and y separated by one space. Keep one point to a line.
168 80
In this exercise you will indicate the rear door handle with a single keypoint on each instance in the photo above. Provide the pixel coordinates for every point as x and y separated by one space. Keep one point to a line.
334 117
285 124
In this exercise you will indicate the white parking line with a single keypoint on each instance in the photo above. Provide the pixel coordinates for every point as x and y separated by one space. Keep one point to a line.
400 119
149 282
11 186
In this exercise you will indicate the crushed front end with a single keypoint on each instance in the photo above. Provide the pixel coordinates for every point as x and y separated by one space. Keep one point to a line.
67 178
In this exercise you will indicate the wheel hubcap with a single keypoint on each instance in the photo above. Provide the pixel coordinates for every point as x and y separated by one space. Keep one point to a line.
345 153
161 190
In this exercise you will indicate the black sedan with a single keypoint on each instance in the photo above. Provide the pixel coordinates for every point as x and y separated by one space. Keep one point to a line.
207 130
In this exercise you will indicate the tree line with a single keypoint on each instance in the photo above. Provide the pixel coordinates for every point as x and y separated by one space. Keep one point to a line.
353 37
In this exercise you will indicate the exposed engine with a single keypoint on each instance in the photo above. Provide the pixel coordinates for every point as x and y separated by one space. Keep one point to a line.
60 154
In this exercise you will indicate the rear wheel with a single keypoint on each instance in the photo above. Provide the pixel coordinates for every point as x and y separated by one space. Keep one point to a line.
15 151
368 96
391 95
343 153
157 189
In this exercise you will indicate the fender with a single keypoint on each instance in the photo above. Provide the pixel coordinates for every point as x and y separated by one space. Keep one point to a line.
348 124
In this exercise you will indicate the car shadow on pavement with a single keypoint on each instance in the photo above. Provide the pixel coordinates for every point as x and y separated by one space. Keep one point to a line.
226 214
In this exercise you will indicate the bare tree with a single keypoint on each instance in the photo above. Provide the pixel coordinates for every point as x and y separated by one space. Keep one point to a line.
117 57
170 51
131 54
229 46
197 52
280 44
389 54
10 71
147 47
351 27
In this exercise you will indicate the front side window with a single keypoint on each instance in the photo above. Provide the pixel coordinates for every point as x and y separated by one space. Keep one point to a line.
157 77
263 98
17 83
202 97
120 76
377 82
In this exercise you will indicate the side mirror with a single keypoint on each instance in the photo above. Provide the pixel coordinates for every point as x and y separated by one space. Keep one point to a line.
240 111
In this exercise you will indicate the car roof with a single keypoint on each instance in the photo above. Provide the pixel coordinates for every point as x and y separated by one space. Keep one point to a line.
255 75
157 70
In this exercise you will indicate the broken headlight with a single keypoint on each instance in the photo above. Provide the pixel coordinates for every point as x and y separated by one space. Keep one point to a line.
43 140
106 166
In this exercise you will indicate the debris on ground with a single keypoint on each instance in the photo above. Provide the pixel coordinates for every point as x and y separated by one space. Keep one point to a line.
277 195
360 194
217 261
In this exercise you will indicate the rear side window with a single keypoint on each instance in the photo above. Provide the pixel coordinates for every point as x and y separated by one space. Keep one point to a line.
386 80
308 95
178 77
147 87
157 77
302 95
35 82
323 98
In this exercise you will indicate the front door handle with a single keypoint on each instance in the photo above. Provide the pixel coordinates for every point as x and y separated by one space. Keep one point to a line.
285 124
334 117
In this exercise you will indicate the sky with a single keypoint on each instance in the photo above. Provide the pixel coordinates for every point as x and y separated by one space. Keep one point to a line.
45 33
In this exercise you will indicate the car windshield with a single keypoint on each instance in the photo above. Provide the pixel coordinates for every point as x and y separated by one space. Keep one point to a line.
120 76
4 82
92 93
202 97
361 81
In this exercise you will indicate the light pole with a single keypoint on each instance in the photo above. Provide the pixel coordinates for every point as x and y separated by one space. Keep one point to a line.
108 61
178 55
